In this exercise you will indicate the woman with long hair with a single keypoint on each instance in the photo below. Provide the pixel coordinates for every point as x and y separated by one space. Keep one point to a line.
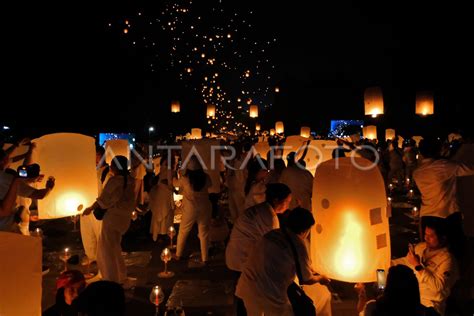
197 207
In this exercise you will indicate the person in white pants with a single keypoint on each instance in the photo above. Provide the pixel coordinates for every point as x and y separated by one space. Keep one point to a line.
90 226
196 206
118 199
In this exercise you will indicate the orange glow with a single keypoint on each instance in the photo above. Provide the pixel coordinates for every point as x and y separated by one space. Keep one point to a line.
348 257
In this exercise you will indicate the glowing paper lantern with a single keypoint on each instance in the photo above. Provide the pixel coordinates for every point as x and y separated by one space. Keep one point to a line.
116 147
417 139
373 100
305 132
261 148
257 127
424 103
279 127
389 134
70 159
253 111
175 107
196 133
370 132
351 239
211 110
20 272
272 131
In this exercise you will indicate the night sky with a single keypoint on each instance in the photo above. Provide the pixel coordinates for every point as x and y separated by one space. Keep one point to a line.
326 53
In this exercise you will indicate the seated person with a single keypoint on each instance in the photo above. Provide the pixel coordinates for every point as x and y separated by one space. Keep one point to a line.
400 297
69 285
433 264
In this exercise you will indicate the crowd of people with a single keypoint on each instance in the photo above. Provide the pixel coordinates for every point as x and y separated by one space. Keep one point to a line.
269 212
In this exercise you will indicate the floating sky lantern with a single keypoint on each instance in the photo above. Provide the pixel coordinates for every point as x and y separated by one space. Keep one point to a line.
70 159
279 127
196 133
389 134
253 111
305 132
350 239
373 100
211 110
175 107
424 103
370 132
272 132
20 272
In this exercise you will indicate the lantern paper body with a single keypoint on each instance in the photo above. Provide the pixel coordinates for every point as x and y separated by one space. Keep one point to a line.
253 111
305 132
389 134
370 132
272 131
373 99
211 110
116 147
20 275
257 127
350 239
318 151
70 159
20 150
400 141
424 103
207 151
196 133
279 127
175 107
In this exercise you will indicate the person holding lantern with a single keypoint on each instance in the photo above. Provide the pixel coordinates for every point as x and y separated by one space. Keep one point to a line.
118 199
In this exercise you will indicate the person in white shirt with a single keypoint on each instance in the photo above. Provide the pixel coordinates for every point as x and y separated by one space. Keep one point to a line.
194 186
434 266
255 185
437 181
271 268
236 178
300 182
118 199
162 208
90 226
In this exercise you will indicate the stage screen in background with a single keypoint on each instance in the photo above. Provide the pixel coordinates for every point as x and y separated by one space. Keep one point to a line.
103 137
342 128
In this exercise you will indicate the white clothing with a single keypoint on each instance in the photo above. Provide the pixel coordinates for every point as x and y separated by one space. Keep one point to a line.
119 202
437 278
300 182
90 234
196 208
139 174
162 206
236 184
436 180
247 231
270 269
256 194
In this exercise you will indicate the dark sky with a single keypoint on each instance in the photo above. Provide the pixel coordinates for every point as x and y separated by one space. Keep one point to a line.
60 55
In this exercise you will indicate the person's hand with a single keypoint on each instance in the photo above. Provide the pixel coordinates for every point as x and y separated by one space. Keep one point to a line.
413 259
324 280
50 183
360 289
87 211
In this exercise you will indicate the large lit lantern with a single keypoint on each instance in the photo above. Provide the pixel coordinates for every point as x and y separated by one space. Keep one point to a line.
305 132
196 133
208 153
20 274
373 100
253 111
389 134
424 103
70 159
279 127
370 132
19 151
350 239
116 147
261 148
175 107
211 110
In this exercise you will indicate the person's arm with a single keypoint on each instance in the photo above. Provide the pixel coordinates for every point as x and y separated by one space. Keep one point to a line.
42 193
110 195
7 204
316 279
462 170
439 278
